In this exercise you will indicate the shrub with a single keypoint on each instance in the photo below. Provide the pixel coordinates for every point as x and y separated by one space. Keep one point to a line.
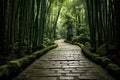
81 39
98 60
4 70
93 56
105 61
41 46
114 70
102 50
48 41
113 67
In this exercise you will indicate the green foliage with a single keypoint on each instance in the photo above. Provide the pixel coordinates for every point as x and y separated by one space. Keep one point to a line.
41 46
113 67
19 63
15 66
105 62
81 39
4 70
114 70
102 50
93 56
48 42
76 43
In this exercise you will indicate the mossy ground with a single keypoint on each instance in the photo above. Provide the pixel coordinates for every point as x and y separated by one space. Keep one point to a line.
14 67
101 59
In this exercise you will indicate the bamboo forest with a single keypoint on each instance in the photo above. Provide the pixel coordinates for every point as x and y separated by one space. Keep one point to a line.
59 40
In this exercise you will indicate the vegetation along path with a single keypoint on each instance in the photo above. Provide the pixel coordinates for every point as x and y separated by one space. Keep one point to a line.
64 63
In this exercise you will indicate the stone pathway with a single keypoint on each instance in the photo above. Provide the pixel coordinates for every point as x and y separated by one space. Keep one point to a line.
66 62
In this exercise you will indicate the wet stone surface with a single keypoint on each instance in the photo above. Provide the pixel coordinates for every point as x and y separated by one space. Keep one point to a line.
66 62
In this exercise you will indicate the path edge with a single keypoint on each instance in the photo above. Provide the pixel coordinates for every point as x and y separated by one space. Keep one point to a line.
112 68
14 67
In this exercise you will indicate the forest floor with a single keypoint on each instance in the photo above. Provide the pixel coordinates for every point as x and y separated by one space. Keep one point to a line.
66 62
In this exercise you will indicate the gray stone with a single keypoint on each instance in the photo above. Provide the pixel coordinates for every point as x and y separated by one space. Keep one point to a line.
66 62
66 78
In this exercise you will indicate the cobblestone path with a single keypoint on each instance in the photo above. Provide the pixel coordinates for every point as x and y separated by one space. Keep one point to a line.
66 62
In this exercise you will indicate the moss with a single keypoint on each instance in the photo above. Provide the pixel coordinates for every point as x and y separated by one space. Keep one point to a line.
39 53
93 56
98 60
101 59
76 43
12 68
16 66
114 70
89 54
105 61
81 39
4 70
113 67
101 50
31 57
68 41
42 46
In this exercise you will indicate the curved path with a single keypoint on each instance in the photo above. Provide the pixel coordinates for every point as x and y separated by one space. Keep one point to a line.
66 62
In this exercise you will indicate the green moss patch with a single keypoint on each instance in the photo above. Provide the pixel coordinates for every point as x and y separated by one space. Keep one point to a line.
101 59
4 70
101 50
114 70
113 67
14 67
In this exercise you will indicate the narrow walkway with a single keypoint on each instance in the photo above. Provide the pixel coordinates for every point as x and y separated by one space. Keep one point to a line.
64 63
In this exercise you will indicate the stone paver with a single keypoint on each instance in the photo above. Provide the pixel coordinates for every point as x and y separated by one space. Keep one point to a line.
64 63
